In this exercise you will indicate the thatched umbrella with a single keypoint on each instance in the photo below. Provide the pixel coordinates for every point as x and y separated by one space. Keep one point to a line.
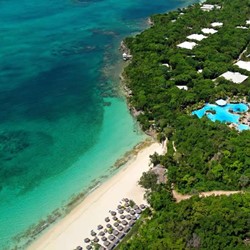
142 206
120 228
126 204
124 222
101 233
132 212
88 247
122 217
115 218
128 217
104 238
108 226
115 232
106 243
86 240
107 219
96 240
111 237
131 223
120 211
113 213
127 209
126 229
138 211
136 207
99 227
116 224
93 233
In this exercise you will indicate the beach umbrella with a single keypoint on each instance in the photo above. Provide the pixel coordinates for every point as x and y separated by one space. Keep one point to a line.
106 243
107 219
126 229
126 204
138 211
101 233
113 213
95 239
126 199
99 227
115 218
142 206
128 217
124 222
101 248
88 247
121 235
116 224
127 209
104 238
86 240
79 248
111 237
131 223
115 232
136 207
119 206
134 218
122 216
120 228
108 226
120 211
93 233
132 212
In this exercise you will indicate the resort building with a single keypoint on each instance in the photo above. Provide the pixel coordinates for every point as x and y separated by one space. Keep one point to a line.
197 37
234 77
187 45
241 27
247 22
216 24
209 7
209 31
182 87
243 65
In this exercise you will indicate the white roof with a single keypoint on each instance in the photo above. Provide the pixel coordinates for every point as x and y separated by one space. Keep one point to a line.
182 87
165 64
221 102
235 77
247 21
200 70
207 7
241 27
243 65
187 45
209 31
216 24
197 37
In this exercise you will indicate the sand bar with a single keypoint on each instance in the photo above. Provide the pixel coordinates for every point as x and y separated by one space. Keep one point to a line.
70 232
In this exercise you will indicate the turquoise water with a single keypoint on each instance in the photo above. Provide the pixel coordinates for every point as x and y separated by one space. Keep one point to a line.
63 124
223 114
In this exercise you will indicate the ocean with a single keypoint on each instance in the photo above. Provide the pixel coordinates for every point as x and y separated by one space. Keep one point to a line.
63 120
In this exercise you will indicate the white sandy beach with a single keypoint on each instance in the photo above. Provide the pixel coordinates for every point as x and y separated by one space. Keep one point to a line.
71 231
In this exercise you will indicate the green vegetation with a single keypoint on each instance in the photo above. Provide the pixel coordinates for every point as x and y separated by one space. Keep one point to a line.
199 223
202 155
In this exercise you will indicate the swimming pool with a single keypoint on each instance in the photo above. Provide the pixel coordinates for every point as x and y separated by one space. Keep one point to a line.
224 114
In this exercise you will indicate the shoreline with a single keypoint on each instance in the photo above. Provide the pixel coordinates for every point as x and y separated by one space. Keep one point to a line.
70 231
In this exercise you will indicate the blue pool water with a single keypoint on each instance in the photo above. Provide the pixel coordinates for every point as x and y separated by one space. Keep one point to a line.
223 114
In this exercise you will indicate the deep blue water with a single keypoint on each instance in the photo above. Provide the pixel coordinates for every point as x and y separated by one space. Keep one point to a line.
223 114
59 66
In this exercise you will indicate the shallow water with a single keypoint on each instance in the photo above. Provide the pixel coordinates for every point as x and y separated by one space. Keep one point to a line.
58 134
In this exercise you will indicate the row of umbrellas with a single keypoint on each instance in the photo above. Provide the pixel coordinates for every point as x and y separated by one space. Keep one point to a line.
122 225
